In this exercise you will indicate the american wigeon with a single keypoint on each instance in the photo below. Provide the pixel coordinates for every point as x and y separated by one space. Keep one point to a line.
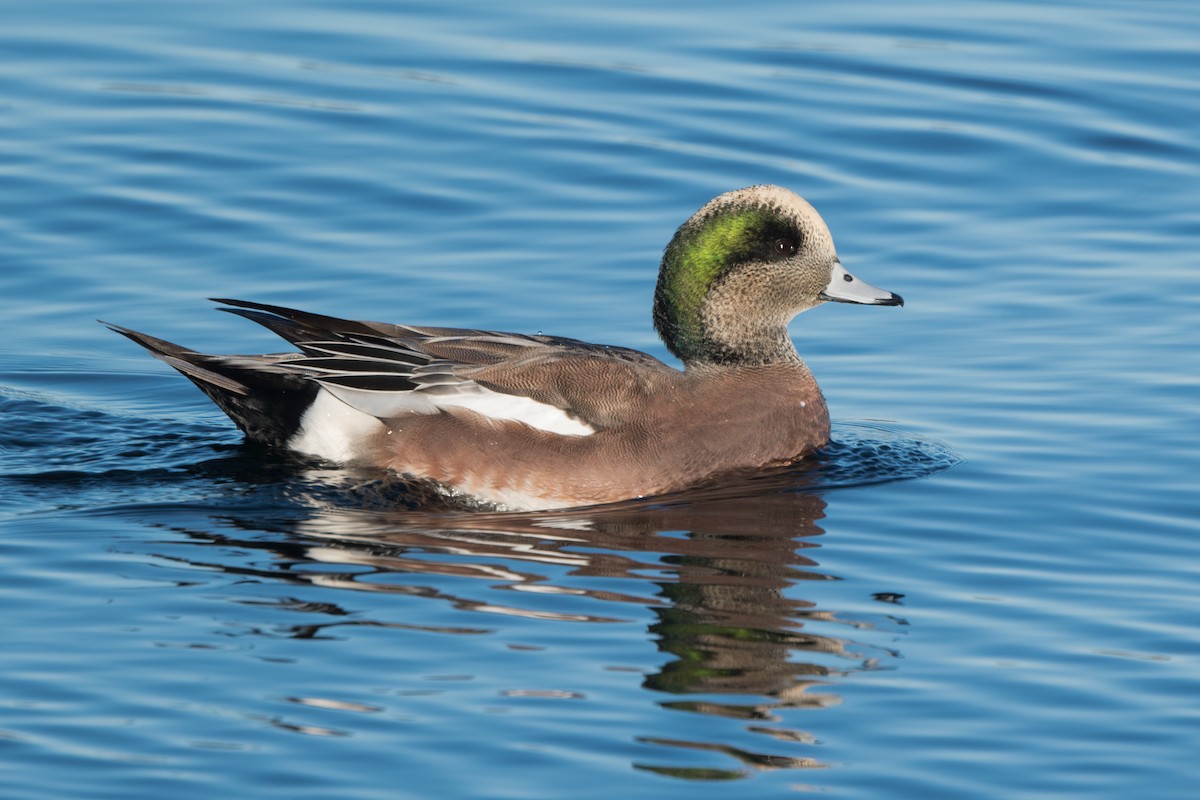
534 422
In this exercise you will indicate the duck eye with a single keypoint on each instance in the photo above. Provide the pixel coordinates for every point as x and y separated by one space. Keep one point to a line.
784 247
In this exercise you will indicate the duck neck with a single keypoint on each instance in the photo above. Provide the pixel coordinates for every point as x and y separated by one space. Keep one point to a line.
714 341
722 331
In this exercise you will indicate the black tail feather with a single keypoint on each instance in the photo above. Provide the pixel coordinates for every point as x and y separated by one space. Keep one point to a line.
263 399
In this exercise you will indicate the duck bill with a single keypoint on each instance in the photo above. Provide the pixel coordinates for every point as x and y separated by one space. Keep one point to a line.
845 288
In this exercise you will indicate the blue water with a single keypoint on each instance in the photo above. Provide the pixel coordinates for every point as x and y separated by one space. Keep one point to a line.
987 587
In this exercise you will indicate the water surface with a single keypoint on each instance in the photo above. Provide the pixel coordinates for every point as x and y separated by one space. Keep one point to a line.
985 588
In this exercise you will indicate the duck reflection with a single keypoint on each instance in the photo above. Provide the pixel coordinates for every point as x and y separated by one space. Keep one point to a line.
719 568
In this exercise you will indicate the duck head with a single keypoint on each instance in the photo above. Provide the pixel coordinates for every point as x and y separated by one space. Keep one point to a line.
737 272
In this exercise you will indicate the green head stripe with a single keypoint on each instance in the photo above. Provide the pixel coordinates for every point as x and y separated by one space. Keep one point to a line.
697 258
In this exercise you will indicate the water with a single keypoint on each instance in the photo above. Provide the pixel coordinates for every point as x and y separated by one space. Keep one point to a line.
986 588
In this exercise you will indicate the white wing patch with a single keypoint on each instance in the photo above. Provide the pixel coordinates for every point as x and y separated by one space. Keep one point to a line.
471 396
498 405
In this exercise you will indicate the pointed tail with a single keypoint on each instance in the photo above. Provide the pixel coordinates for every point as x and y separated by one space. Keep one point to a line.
264 398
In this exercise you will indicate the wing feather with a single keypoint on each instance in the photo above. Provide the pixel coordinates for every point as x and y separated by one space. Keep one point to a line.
386 370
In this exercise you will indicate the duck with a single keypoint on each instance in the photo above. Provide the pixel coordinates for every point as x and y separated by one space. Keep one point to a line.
529 422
